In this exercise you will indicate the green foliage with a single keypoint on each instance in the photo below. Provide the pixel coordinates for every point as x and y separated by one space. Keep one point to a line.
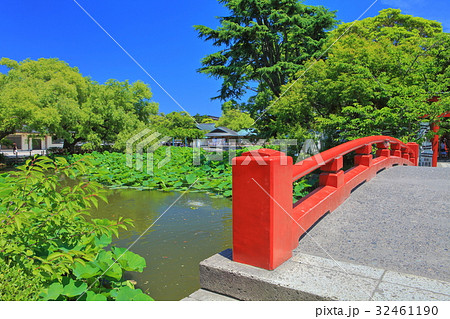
390 24
110 286
6 142
51 97
377 79
203 119
127 293
45 234
177 125
39 94
212 175
235 120
263 43
17 285
115 111
301 189
178 174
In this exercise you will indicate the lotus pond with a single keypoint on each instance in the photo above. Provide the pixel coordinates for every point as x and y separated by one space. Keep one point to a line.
194 228
181 170
185 227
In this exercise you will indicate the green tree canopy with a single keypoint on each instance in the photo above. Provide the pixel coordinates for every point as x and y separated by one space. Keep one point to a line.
203 119
263 44
235 120
40 94
115 111
176 124
51 97
377 79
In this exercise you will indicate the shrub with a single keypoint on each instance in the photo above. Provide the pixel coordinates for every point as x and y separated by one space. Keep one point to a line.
45 234
17 285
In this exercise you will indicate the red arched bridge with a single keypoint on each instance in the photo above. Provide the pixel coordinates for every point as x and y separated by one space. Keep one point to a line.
266 223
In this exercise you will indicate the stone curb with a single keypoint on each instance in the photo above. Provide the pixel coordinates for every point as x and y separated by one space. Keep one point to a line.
205 295
308 277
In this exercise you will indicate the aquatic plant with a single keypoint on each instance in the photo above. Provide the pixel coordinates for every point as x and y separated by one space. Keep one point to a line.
49 248
181 172
178 174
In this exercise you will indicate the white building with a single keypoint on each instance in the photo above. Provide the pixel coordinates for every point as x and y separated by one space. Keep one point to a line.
32 141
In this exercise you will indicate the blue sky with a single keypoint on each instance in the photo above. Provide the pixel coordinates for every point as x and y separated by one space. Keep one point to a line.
157 34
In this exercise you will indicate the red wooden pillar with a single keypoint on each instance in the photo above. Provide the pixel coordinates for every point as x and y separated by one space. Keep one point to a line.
435 144
396 150
414 156
364 156
332 175
262 208
383 150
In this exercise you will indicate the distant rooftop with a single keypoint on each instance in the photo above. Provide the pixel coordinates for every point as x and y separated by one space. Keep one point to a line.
206 126
222 132
247 132
213 117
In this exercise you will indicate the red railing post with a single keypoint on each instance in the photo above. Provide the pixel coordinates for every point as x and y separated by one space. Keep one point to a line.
414 156
364 156
332 175
383 149
405 153
435 144
396 149
262 208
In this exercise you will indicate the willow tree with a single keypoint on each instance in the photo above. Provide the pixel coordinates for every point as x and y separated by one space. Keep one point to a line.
262 45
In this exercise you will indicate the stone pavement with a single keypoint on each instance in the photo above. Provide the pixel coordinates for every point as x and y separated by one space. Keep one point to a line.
399 221
443 164
389 241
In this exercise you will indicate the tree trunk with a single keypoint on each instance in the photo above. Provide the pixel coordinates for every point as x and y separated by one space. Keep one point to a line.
70 147
4 134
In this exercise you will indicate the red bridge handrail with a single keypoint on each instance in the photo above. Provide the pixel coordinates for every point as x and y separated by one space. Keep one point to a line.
266 223
312 163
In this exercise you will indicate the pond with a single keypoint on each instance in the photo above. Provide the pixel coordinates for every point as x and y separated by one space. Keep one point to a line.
193 229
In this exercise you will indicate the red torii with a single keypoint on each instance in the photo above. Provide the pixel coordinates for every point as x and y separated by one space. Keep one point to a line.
435 128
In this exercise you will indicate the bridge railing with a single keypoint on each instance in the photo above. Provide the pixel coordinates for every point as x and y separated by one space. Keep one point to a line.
267 224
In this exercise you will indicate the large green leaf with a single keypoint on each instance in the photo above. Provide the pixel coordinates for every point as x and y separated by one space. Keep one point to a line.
92 296
115 272
191 178
53 291
74 288
103 241
86 271
127 294
129 260
106 263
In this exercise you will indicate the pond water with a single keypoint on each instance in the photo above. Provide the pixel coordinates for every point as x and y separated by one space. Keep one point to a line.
193 229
